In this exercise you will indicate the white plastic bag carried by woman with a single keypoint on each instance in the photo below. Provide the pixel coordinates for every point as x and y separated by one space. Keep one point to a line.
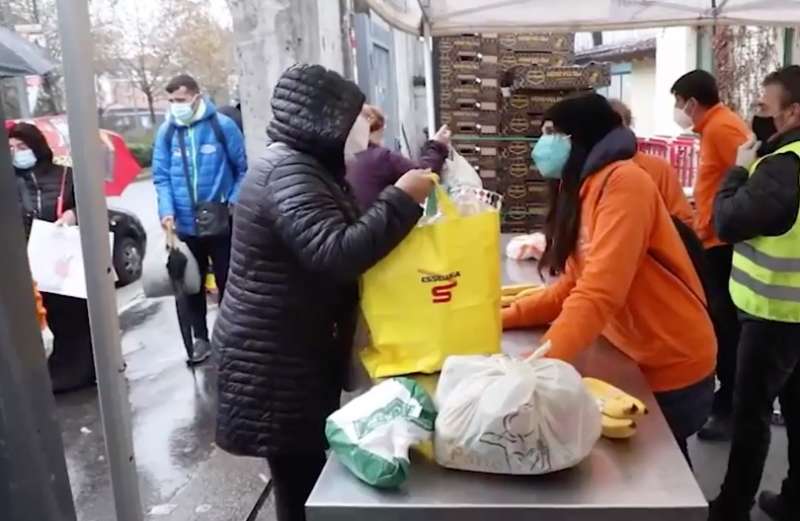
507 416
457 171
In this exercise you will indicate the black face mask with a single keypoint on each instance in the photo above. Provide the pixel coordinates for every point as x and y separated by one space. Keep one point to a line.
763 128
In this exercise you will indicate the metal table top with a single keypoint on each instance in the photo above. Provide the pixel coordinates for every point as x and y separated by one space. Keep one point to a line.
644 478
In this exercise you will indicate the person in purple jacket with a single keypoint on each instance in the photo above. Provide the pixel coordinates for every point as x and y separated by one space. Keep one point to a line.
371 171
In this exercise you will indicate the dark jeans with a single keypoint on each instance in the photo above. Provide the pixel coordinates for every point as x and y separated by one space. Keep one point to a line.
686 410
726 323
293 478
192 309
769 367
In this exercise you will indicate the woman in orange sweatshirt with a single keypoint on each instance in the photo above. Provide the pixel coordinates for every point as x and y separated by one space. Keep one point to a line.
624 271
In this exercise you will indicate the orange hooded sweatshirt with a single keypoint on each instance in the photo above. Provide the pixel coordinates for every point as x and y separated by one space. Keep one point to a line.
721 133
630 280
668 184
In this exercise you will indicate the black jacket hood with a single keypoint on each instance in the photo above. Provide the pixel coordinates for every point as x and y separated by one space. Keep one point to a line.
313 111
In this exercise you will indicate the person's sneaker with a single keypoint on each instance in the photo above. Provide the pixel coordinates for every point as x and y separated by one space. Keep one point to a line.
774 506
718 428
201 353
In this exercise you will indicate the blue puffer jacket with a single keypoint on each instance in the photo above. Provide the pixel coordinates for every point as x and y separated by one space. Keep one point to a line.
210 171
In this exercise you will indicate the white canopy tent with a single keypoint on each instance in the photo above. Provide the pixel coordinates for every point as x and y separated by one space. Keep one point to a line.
448 17
482 16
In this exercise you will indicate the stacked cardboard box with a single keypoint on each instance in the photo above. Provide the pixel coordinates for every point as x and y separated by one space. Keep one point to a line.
493 91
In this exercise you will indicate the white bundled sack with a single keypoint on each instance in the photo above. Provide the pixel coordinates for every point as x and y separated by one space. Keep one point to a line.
525 247
507 416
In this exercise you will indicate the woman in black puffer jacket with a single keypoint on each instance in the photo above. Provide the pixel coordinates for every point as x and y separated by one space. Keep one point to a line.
46 192
287 320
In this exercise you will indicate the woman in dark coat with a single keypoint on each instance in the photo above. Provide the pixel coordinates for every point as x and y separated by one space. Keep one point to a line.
288 317
372 170
46 192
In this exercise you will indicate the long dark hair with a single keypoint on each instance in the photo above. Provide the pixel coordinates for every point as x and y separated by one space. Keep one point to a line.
587 119
35 140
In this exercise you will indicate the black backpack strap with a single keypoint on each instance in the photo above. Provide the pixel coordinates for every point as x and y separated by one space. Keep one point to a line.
220 135
185 161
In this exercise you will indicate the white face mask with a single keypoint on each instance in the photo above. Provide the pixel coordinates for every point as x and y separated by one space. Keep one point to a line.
682 119
358 138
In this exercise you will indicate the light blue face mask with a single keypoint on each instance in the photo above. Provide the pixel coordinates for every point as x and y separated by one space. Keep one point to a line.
182 112
24 159
550 155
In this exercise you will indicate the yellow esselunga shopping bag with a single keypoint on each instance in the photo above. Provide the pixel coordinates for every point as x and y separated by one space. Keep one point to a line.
436 295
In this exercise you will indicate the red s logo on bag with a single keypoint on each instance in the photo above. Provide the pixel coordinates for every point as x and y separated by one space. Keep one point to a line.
443 294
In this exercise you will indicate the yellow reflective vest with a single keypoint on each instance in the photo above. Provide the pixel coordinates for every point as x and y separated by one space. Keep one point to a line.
765 280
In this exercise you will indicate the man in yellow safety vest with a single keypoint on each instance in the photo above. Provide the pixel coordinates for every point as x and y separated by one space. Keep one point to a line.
757 210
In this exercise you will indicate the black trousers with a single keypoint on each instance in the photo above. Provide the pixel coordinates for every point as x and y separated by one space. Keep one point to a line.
293 478
192 309
726 323
71 365
769 367
686 410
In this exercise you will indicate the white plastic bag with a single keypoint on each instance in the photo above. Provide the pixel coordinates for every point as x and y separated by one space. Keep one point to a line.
458 171
525 247
155 277
507 416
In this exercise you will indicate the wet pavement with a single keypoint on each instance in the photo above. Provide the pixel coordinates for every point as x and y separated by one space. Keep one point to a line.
182 474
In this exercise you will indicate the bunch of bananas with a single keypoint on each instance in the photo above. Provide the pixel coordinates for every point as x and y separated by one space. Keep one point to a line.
511 294
618 407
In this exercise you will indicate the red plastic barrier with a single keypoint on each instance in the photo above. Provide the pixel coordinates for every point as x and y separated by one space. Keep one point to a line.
683 153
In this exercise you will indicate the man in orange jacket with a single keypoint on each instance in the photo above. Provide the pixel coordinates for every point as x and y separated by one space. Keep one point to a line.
698 107
662 173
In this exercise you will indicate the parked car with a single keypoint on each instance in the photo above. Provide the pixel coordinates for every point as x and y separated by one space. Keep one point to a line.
130 243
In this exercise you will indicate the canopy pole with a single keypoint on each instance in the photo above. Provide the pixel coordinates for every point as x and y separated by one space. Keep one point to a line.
74 28
429 98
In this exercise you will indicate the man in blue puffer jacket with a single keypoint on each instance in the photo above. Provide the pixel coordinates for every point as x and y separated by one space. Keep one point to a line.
198 157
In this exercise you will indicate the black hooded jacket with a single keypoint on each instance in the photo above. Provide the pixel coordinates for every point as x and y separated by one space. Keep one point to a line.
765 203
287 321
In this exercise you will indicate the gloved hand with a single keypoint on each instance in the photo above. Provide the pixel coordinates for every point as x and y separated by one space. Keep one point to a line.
47 341
746 155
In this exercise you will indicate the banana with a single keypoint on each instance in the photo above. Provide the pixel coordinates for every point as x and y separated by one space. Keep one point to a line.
528 292
515 289
507 300
614 402
618 429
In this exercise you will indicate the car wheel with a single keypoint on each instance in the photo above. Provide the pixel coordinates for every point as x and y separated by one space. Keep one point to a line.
127 260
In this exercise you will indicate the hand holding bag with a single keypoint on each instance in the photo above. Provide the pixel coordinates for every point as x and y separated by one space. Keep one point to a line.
156 280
